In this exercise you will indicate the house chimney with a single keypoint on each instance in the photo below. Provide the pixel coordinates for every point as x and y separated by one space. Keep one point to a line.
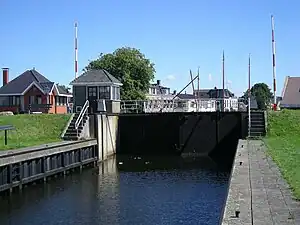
158 82
174 92
5 76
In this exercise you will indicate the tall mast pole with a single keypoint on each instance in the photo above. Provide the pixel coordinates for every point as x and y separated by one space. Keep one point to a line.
223 76
249 96
76 52
198 87
273 53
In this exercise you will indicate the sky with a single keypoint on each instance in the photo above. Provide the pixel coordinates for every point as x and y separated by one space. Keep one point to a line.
175 35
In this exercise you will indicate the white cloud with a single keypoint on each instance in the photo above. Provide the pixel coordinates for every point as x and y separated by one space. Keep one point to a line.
210 77
229 82
170 77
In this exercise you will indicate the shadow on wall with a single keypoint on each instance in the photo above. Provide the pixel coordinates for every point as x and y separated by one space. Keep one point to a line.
213 134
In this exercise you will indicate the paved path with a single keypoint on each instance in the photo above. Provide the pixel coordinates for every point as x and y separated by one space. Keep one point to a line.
258 191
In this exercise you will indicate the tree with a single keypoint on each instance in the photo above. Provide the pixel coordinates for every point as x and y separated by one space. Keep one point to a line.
131 67
262 94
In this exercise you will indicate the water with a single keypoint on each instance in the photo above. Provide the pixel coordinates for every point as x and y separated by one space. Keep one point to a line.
136 191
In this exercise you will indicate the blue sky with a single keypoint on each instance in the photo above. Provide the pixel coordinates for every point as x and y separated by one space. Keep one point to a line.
175 35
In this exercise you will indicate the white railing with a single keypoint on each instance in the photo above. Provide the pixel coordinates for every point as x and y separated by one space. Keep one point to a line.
81 115
178 105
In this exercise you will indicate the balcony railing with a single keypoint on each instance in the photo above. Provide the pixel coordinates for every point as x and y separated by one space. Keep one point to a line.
38 107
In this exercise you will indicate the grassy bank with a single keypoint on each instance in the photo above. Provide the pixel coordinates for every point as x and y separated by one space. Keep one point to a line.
32 129
283 141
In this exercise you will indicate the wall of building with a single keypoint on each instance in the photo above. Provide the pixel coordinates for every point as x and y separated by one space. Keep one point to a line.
107 126
34 91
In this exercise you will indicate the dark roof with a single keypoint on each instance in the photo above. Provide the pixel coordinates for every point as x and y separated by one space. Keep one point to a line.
158 86
186 96
214 93
20 83
63 90
291 93
99 76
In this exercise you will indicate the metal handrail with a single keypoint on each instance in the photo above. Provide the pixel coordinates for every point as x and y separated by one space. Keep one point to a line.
81 114
169 105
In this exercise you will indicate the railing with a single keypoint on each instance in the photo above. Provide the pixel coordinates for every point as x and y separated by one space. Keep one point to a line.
38 107
81 115
177 105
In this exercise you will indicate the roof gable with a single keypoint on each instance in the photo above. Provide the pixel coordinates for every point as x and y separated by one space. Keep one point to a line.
213 93
23 81
95 76
291 93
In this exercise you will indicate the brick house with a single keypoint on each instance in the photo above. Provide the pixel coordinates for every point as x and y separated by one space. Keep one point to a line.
32 92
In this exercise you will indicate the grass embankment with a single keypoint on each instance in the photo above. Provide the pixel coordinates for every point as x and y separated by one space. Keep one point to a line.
32 129
283 141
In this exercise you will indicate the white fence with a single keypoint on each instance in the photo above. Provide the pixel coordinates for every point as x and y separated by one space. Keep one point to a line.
178 105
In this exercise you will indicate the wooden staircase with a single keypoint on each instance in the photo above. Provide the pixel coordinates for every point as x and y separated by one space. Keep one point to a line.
257 128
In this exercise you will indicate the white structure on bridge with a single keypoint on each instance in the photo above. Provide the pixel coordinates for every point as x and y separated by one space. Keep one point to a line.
160 99
179 105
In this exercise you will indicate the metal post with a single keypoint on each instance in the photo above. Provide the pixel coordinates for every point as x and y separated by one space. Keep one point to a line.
5 138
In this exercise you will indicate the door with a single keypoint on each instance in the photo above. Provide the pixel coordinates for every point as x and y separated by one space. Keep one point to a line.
92 97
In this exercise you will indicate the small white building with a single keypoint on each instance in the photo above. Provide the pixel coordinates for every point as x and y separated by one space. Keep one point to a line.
209 100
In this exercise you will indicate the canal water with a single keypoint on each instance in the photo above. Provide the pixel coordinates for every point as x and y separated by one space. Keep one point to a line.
126 190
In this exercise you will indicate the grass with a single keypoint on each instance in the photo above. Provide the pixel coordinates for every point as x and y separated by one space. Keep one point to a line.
283 141
32 129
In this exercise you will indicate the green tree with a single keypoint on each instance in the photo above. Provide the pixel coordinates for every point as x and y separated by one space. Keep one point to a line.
131 67
262 94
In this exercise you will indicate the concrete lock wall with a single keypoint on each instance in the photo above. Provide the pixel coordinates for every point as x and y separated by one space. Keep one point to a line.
213 134
107 126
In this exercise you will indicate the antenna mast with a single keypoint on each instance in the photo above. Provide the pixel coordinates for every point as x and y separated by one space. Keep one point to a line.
223 75
76 52
249 96
273 52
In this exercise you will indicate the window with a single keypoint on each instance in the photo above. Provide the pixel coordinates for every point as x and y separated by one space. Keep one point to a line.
92 91
113 93
4 100
104 92
153 91
60 100
38 99
118 93
31 99
17 100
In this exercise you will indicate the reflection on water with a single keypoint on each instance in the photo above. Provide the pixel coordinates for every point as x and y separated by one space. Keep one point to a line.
125 190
